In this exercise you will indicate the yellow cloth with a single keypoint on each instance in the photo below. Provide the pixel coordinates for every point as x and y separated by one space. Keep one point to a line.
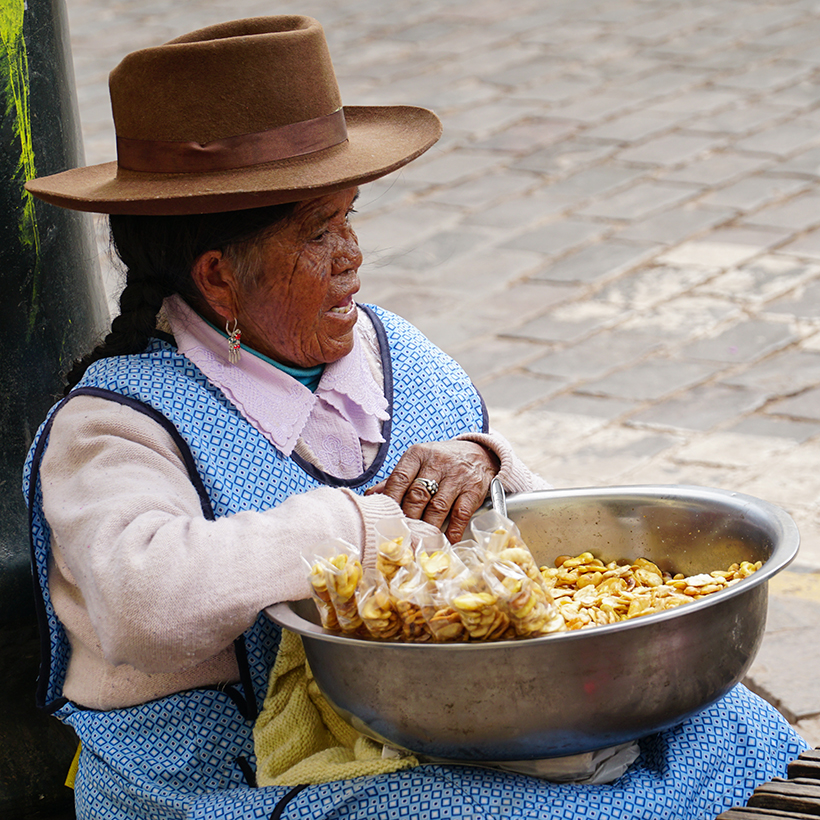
72 769
300 739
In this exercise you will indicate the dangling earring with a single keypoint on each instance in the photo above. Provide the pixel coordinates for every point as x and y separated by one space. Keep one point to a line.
234 335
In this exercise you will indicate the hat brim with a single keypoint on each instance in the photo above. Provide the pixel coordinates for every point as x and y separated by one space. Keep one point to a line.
381 139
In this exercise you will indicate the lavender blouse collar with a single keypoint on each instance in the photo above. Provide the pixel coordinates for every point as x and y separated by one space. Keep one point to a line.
275 403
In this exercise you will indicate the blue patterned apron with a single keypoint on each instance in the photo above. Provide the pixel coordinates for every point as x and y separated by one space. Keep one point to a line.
190 755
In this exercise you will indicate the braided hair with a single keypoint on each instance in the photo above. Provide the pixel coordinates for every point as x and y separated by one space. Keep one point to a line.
159 254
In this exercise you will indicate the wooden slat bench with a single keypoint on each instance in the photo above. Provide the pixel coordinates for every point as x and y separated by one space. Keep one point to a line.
796 798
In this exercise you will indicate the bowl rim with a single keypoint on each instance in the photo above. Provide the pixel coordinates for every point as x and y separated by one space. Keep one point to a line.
786 550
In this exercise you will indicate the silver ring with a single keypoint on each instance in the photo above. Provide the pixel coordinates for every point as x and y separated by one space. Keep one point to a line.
429 484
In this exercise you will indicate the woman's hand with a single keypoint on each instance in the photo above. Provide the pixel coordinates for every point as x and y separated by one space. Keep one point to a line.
463 471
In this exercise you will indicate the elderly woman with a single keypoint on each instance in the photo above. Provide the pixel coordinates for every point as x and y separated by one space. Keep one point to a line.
244 408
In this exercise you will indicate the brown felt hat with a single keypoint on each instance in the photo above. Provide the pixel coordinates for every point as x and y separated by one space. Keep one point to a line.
238 115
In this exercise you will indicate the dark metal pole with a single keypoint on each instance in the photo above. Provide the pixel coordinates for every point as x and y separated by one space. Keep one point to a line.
52 309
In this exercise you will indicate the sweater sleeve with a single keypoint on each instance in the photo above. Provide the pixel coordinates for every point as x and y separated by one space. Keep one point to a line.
515 476
164 587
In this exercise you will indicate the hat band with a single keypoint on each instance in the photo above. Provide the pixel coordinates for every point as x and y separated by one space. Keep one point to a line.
284 142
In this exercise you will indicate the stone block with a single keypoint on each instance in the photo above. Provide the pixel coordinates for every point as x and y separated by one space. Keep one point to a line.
801 97
519 212
596 182
480 121
791 477
796 214
556 238
574 405
439 248
410 226
726 61
545 24
595 108
725 247
671 24
595 356
809 52
568 324
606 457
750 193
564 158
599 262
423 30
526 137
669 150
740 120
374 52
805 405
744 341
715 169
650 380
412 301
697 101
661 84
780 140
454 166
805 163
515 392
782 374
638 201
482 192
683 318
803 301
645 287
554 90
805 246
729 449
417 80
769 76
703 408
514 65
793 29
385 193
489 357
608 56
505 308
496 273
762 424
633 127
693 45
783 672
665 469
794 597
675 225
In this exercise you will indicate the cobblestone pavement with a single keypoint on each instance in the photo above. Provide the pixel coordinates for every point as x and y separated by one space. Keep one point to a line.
618 235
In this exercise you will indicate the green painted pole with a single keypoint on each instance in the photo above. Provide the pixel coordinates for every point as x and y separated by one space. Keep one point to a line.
52 309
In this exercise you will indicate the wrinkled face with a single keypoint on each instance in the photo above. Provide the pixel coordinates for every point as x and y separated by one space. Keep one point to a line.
301 312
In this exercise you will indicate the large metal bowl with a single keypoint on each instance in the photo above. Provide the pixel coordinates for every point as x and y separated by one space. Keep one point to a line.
572 692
